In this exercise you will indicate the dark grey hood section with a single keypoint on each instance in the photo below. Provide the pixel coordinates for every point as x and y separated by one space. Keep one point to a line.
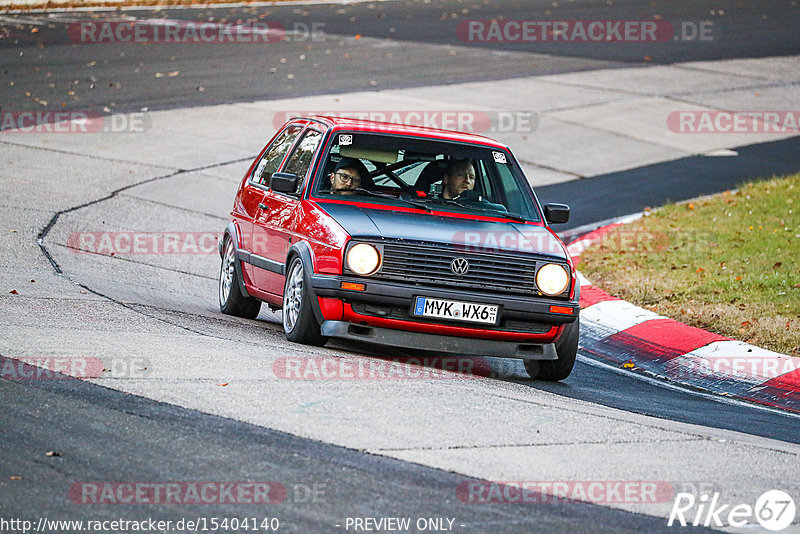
476 235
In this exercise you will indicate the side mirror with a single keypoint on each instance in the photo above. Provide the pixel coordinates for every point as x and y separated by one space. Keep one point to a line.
556 213
284 182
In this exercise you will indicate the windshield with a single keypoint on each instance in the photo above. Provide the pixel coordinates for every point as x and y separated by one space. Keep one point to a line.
407 171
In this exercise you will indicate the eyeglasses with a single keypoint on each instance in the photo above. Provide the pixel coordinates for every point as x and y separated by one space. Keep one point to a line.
344 177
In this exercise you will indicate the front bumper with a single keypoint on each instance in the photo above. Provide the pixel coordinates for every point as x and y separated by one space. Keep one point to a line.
516 307
439 343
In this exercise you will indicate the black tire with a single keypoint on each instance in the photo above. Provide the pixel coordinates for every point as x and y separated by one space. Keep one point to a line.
299 323
567 349
231 299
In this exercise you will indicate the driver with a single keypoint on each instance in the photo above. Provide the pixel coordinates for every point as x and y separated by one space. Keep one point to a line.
458 177
347 176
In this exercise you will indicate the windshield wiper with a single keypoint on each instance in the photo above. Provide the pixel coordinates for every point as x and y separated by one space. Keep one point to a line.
419 205
478 207
442 200
502 213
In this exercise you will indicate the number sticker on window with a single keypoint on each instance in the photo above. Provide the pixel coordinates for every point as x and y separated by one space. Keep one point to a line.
499 157
345 140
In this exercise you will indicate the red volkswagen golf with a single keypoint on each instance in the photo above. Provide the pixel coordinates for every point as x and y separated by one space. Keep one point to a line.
404 236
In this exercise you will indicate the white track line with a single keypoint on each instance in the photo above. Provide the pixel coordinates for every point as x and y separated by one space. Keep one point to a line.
23 20
676 387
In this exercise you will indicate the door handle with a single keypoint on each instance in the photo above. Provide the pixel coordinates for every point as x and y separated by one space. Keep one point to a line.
263 206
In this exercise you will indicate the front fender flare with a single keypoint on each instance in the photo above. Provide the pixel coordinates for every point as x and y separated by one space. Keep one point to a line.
232 233
302 250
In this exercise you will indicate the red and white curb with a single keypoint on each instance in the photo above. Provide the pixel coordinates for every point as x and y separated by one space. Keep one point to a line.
619 332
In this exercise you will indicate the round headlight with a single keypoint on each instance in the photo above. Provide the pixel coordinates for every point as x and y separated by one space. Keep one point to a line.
363 259
552 279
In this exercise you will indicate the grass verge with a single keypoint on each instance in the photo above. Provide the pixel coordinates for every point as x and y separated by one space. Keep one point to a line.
729 263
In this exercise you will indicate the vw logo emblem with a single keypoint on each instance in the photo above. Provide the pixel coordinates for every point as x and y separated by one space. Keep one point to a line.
459 266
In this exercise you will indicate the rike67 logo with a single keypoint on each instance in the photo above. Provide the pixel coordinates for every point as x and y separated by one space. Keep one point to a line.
774 510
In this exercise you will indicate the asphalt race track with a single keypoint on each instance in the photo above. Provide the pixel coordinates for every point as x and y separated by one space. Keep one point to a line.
118 75
190 395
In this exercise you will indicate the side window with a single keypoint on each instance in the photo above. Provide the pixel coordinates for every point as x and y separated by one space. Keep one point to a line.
275 153
482 181
516 201
300 160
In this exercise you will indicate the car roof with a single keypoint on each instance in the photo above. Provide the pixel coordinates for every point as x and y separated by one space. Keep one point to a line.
345 123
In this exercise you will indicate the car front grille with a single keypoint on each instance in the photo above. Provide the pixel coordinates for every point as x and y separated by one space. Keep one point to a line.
427 264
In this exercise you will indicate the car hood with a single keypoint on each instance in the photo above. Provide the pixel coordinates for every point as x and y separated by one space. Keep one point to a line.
465 234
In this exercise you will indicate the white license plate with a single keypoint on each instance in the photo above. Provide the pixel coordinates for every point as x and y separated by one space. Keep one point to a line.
455 311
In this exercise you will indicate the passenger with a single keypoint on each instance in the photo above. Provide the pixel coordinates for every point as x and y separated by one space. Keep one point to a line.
347 176
458 177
